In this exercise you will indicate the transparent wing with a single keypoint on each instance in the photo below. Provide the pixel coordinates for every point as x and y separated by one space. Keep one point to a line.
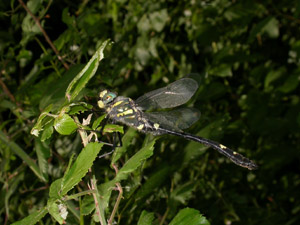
175 94
175 119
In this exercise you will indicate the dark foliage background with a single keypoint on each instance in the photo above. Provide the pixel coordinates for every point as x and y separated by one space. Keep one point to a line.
247 56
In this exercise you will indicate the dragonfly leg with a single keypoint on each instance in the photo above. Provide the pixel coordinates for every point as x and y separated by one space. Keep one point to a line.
114 145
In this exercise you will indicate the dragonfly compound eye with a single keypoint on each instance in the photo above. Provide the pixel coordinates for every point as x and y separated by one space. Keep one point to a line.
109 97
105 98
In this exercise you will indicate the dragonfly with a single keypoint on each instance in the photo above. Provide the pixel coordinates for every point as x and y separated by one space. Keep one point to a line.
136 114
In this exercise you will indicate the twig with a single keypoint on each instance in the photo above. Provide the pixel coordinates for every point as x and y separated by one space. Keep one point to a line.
6 91
110 221
164 216
37 21
97 204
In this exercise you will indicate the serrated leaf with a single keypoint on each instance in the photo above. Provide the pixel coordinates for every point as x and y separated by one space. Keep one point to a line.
80 167
126 140
64 124
33 218
43 153
81 79
135 161
132 164
189 216
110 128
53 209
146 218
77 108
55 189
47 131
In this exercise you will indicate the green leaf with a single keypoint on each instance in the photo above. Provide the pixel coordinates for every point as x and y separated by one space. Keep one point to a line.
33 218
48 130
268 26
88 205
273 75
110 128
135 161
39 125
56 96
80 107
23 155
223 70
67 19
126 140
43 153
81 79
183 193
146 218
153 182
144 24
80 167
97 122
130 166
189 216
159 19
64 124
55 189
290 84
54 210
272 28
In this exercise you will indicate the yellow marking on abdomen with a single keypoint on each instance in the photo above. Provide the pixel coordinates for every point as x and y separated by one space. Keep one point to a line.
222 146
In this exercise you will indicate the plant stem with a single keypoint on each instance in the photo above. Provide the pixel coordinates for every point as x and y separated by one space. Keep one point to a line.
110 221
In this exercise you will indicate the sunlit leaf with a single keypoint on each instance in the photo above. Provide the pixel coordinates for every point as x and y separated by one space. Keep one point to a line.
189 216
80 167
64 124
33 218
146 218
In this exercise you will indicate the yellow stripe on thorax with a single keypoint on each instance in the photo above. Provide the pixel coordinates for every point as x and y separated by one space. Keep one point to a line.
128 112
117 103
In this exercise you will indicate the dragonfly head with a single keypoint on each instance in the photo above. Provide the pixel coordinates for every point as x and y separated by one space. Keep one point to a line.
105 97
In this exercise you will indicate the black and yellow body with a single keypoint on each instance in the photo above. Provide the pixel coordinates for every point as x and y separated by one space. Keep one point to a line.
132 113
125 111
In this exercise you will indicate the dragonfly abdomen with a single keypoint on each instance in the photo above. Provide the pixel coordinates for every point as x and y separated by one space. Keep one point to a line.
232 155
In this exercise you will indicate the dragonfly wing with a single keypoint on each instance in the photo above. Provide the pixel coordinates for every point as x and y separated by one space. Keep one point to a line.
174 120
175 94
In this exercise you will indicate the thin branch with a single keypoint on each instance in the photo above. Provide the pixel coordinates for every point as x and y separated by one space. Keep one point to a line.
110 221
6 91
37 21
